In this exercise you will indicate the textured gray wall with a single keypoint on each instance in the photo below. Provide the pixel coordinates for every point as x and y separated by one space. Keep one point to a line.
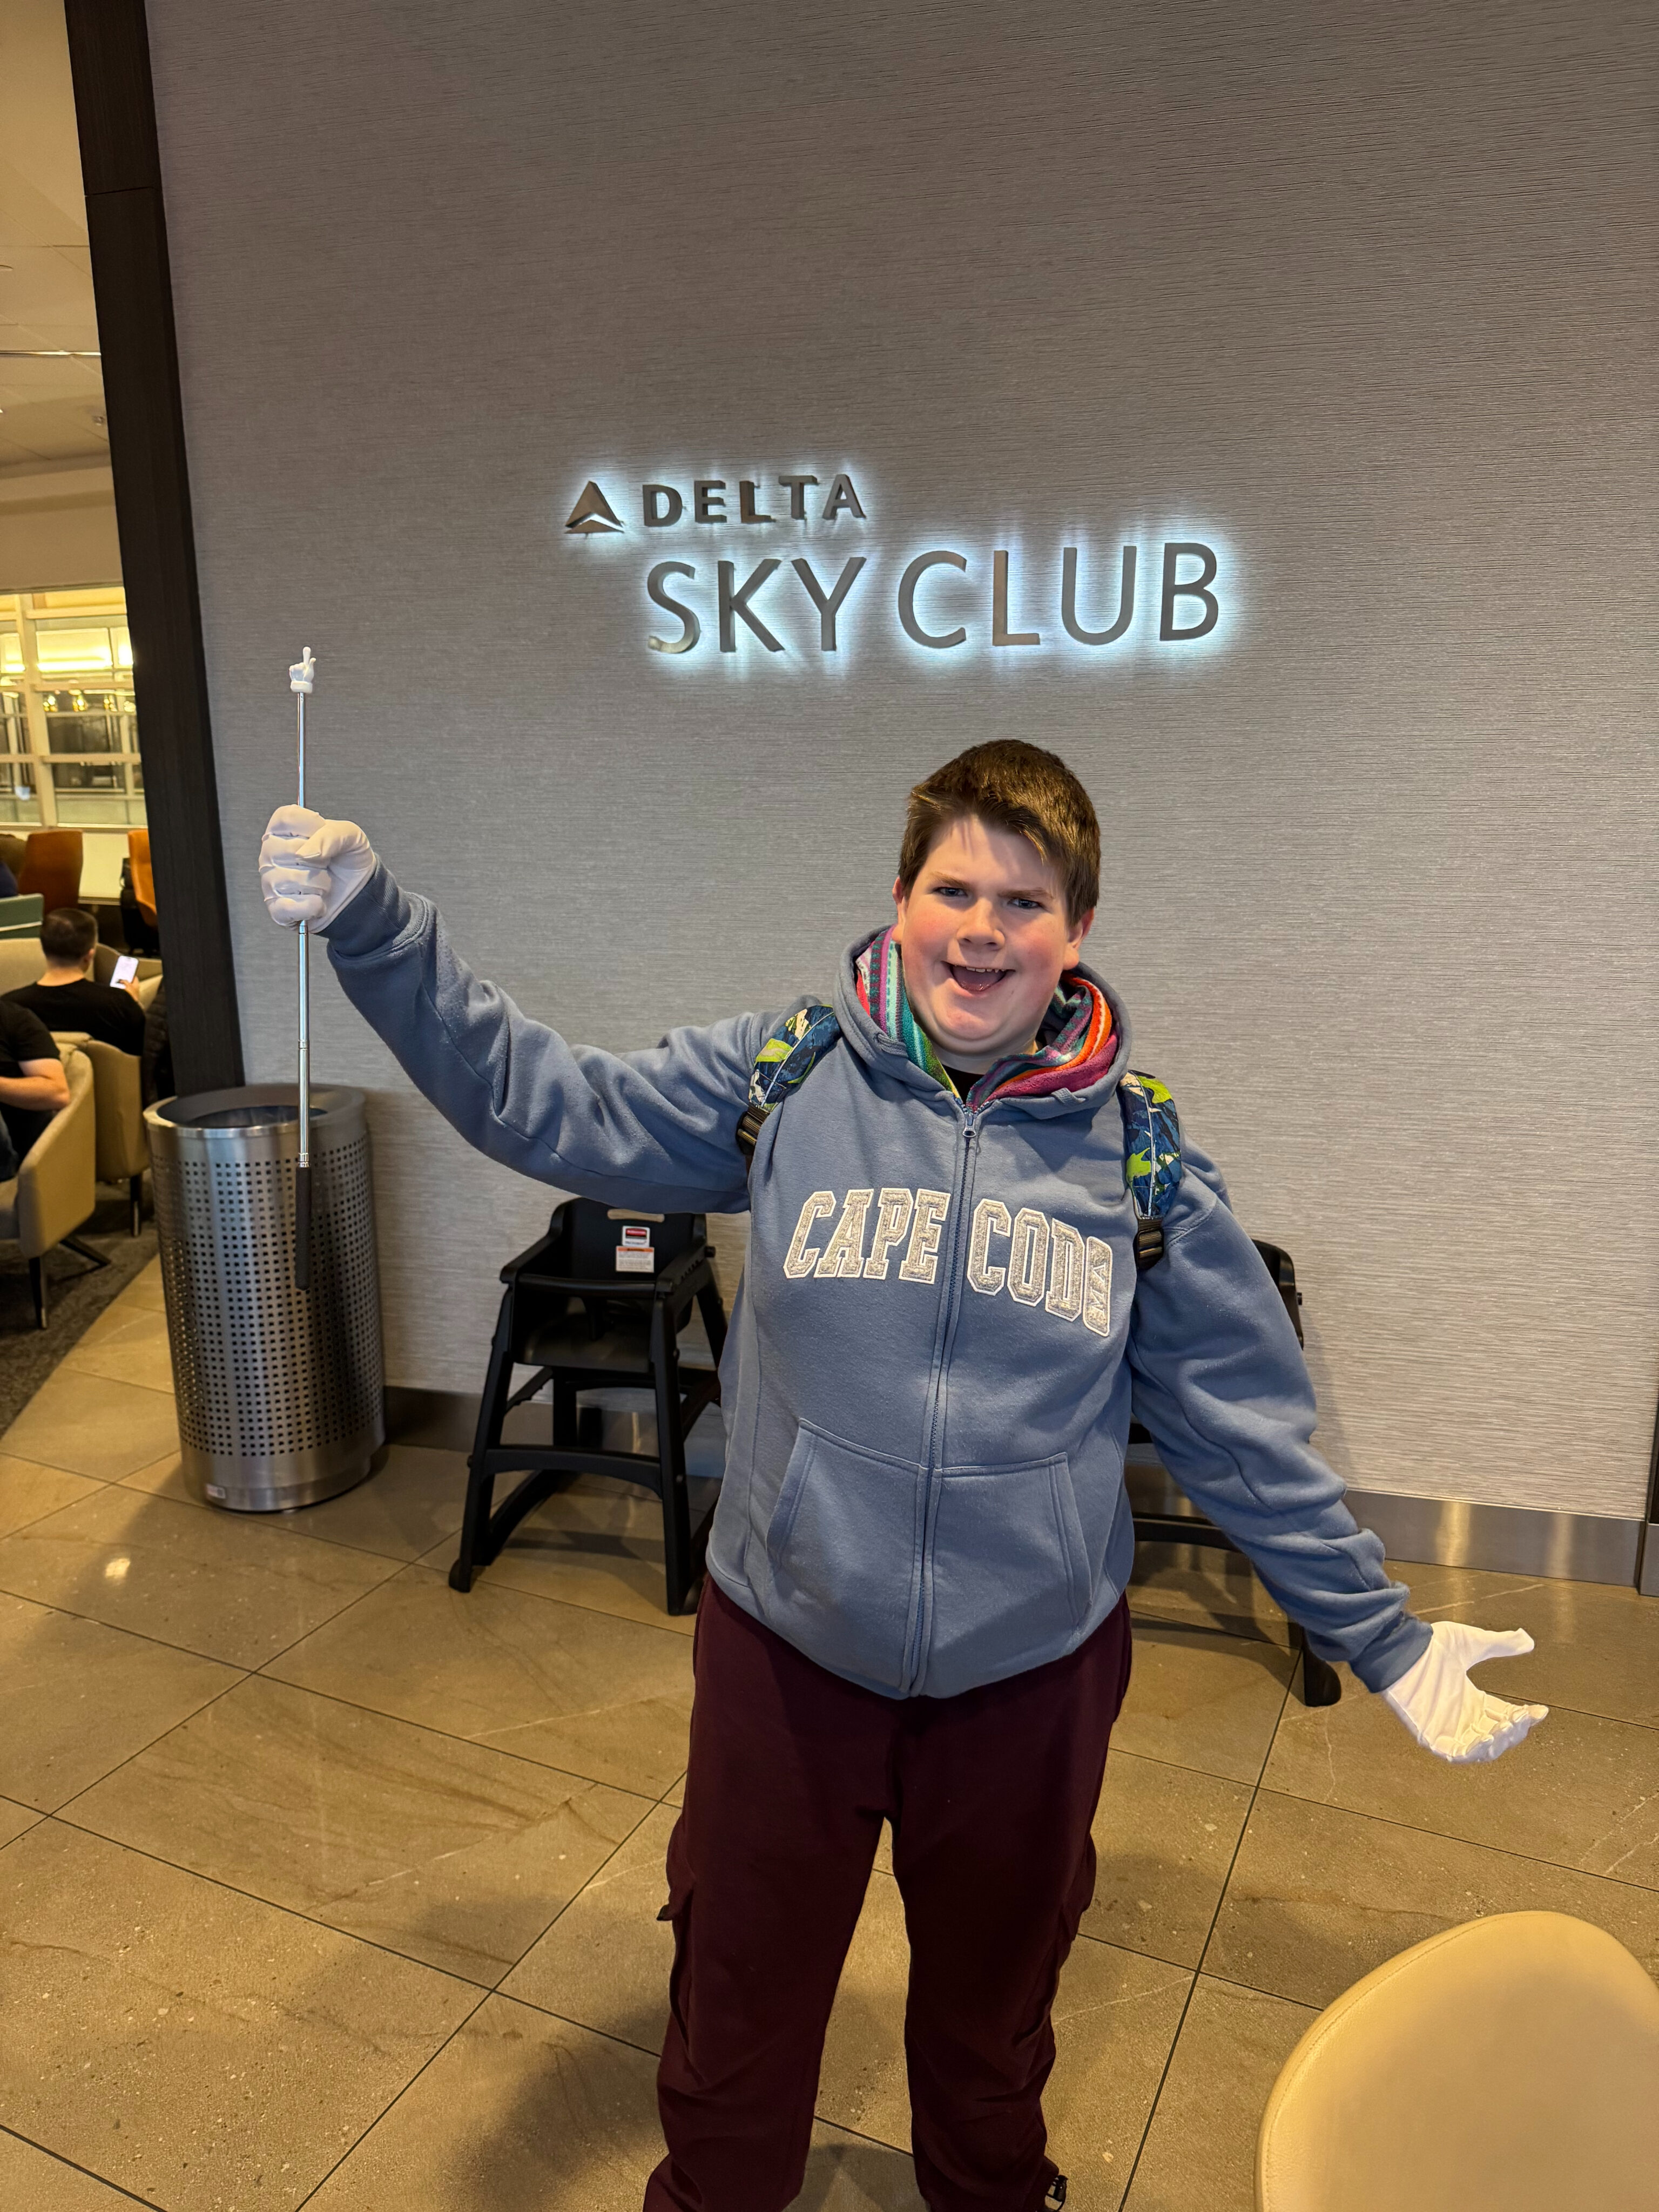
1368 290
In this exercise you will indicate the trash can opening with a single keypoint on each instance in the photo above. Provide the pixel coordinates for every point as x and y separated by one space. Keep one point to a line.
240 1117
267 1115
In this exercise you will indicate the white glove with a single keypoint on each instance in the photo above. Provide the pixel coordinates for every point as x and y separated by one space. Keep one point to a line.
1442 1709
310 869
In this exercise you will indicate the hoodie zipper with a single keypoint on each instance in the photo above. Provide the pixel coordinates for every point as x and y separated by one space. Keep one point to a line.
961 1198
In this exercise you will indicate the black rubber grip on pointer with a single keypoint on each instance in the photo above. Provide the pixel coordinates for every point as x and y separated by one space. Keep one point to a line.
302 1228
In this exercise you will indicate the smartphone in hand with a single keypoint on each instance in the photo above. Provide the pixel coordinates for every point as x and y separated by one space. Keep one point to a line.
126 969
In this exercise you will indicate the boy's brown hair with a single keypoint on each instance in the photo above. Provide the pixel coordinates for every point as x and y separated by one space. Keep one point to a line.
1014 787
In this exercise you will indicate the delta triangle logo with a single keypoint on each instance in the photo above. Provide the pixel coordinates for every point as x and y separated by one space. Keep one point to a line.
593 512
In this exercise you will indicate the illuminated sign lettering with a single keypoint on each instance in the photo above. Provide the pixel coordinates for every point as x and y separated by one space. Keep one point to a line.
1159 589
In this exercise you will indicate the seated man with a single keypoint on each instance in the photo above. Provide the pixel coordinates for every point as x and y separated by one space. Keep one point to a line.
33 1084
66 997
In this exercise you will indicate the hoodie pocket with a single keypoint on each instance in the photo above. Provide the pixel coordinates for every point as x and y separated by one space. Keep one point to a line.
1010 1585
843 1544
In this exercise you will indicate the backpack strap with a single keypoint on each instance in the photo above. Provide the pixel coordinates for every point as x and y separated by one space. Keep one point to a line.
782 1065
1152 1160
1151 1127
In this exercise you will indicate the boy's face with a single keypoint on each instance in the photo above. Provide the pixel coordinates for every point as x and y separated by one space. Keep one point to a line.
985 939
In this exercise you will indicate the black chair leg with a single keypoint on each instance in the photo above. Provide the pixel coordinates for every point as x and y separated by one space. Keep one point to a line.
679 1570
38 1291
1321 1683
713 1320
480 1483
136 1195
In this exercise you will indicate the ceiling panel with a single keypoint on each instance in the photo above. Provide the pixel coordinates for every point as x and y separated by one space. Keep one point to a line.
40 284
57 429
46 271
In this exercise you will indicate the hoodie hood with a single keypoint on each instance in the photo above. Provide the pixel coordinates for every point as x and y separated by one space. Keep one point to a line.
1021 1084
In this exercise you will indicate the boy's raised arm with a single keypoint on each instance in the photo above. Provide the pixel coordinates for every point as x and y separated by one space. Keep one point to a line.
654 1129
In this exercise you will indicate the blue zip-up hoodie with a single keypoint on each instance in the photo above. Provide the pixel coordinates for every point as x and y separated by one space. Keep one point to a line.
940 1334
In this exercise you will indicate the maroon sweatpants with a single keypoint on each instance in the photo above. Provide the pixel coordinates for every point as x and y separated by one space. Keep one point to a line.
990 1796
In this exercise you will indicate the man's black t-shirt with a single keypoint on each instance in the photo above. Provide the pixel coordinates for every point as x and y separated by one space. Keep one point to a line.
113 1017
23 1035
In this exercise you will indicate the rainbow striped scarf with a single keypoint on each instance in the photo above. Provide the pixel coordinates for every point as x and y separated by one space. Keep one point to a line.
1076 1042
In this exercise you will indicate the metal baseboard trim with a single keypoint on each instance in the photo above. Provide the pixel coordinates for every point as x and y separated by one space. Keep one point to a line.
1441 1532
441 1420
1512 1539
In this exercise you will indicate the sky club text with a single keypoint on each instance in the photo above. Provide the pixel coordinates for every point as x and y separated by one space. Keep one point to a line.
1187 608
939 600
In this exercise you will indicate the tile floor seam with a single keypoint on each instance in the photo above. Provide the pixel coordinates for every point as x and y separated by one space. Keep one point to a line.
1617 1720
190 1651
622 1846
472 1743
75 2167
586 2027
650 1805
484 1996
476 1743
253 1897
190 1505
328 1620
1471 1843
1156 1958
208 1704
22 1528
1180 1766
1209 1937
287 1520
1246 1988
117 1628
514 1590
53 1467
132 1381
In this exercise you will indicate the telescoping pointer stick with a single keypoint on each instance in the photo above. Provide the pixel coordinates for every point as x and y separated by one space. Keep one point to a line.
300 677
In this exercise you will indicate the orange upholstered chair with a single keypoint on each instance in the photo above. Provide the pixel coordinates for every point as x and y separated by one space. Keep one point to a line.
144 883
51 865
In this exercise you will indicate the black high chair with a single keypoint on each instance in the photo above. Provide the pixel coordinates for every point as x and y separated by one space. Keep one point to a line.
1163 1516
598 1304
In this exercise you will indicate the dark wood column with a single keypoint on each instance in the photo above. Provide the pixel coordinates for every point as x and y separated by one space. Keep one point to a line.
120 164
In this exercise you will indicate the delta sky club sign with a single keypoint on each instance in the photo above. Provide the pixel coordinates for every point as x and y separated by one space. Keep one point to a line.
798 564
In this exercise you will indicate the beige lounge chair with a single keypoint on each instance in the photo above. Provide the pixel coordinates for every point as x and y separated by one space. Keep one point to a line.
1507 2065
55 1188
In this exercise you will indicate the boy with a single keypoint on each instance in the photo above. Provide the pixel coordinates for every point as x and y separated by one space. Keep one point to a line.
915 1605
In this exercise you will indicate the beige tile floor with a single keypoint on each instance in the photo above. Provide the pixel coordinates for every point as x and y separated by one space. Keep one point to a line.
320 1884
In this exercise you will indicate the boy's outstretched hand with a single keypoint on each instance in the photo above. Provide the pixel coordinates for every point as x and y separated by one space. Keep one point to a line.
309 869
1442 1707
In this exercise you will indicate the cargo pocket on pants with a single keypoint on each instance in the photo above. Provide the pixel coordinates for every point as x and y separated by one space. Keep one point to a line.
678 1912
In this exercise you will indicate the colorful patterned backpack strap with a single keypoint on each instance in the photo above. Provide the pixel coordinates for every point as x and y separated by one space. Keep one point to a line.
782 1065
1152 1160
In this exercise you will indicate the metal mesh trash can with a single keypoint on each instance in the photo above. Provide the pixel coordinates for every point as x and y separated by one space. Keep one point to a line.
280 1392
